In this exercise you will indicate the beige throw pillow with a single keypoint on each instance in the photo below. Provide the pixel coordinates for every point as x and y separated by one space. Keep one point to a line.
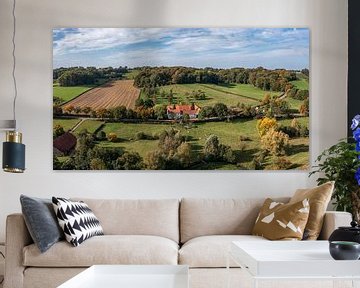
279 221
319 198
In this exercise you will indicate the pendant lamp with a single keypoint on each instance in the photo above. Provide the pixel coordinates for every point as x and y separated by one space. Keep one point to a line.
13 159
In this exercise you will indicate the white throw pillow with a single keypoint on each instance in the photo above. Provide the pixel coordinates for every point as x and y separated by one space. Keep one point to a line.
76 220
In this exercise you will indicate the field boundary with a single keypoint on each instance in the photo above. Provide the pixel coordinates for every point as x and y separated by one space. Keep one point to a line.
96 86
228 92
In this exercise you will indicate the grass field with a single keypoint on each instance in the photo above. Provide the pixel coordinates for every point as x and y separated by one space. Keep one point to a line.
230 95
90 125
131 75
228 133
67 124
246 90
302 84
69 93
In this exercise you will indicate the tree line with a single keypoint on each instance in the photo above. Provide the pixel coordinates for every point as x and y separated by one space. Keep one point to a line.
74 76
265 79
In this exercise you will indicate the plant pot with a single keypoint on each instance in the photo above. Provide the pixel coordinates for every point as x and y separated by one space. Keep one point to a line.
342 250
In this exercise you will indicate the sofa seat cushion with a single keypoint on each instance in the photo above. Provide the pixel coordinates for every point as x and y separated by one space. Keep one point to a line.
211 251
108 249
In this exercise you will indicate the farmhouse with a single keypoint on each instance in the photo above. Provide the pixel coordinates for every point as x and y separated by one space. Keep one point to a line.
64 144
178 111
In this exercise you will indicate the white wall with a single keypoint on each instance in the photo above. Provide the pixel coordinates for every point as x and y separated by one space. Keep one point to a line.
327 20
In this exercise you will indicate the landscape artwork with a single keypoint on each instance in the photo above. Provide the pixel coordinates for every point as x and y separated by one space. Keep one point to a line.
181 98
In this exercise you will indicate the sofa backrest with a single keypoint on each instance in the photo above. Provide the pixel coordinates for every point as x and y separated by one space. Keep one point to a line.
200 217
159 217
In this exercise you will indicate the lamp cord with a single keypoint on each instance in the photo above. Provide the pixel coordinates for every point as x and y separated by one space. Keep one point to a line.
2 280
14 61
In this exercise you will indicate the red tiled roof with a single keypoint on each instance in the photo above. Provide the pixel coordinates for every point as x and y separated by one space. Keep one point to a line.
185 109
65 143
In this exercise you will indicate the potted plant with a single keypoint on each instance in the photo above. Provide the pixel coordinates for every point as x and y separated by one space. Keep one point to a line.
341 163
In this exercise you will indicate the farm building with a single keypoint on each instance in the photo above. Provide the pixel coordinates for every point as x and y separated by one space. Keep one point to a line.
64 144
177 111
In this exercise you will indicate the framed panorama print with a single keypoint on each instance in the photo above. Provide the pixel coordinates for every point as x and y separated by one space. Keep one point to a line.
181 98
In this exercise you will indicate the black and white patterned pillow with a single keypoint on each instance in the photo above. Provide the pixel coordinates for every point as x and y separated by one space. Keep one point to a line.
77 220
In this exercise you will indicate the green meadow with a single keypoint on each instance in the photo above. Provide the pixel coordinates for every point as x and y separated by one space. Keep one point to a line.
68 93
196 134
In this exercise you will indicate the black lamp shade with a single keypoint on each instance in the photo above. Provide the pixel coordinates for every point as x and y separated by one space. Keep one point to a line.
13 157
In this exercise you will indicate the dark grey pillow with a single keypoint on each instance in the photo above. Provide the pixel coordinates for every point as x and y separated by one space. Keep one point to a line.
41 221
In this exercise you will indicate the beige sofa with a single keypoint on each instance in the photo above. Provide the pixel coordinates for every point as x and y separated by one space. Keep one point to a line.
194 232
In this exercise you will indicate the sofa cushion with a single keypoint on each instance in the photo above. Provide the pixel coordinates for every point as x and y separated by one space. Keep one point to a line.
319 198
201 217
279 221
107 249
158 217
76 220
211 251
41 221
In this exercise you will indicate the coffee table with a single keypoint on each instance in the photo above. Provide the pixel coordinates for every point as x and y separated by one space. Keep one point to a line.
293 260
131 276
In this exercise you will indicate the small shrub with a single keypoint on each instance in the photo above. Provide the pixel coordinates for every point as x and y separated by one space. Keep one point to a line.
280 163
140 135
304 131
101 135
112 137
244 138
258 162
291 131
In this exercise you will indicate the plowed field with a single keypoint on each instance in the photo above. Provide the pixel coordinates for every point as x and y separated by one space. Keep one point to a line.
110 95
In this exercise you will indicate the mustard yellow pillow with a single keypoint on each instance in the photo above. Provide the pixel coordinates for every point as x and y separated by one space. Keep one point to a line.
279 221
319 198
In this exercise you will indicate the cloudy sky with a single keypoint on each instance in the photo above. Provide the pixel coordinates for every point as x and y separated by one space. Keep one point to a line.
195 47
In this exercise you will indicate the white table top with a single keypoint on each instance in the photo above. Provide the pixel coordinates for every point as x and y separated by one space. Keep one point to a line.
291 259
131 276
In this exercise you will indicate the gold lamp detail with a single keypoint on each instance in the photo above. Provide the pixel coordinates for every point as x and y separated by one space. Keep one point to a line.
13 149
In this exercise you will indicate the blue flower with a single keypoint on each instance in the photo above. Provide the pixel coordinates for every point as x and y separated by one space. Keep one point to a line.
357 176
357 147
355 122
356 134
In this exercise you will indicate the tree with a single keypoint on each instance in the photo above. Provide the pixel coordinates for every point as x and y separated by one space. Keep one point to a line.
102 113
57 110
97 164
304 108
56 163
85 144
206 112
155 160
275 142
220 110
139 102
68 109
186 118
183 154
214 151
160 111
211 148
170 140
265 124
119 112
68 164
305 71
129 161
101 135
86 110
58 130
